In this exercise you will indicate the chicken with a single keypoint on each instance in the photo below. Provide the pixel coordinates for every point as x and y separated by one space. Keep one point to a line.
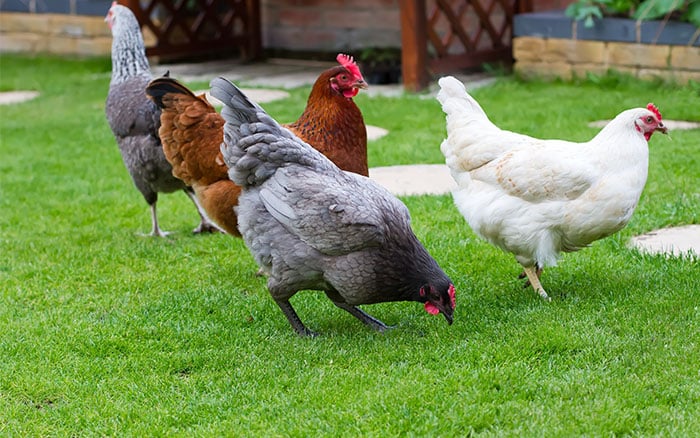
537 198
310 225
192 131
135 120
331 122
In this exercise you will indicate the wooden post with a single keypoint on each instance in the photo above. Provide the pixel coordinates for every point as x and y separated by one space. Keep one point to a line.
414 50
135 7
142 18
253 49
523 6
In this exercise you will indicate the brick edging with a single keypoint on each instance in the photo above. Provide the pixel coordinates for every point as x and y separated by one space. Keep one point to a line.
565 58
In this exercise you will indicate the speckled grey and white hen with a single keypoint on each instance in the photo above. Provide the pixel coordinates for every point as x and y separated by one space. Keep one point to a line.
310 225
135 120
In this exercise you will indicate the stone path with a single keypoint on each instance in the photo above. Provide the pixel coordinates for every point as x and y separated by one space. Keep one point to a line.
415 179
263 95
10 97
674 241
274 73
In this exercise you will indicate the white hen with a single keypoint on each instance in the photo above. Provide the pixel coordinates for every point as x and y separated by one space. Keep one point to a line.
536 198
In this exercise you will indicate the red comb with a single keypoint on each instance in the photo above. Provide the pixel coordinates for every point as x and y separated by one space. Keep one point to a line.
349 63
651 107
452 296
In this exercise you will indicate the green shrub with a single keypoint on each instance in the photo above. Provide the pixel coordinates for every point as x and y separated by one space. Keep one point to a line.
589 10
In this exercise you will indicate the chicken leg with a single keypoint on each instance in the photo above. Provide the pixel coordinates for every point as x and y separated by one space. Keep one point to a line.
294 319
360 314
155 229
205 224
533 276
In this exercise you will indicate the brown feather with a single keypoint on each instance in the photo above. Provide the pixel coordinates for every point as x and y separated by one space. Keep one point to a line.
191 132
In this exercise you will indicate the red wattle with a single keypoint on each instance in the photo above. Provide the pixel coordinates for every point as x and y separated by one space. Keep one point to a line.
431 308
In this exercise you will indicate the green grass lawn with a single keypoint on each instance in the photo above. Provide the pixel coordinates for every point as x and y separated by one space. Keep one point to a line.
104 332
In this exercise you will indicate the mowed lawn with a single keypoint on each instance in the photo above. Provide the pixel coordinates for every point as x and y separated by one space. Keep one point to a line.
107 333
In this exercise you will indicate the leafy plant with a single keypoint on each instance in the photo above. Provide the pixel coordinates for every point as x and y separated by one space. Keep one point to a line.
589 10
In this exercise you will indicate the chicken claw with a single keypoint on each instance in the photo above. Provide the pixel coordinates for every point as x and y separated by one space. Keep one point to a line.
533 276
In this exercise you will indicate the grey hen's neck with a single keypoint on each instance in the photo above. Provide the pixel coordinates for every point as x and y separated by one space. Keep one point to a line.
128 57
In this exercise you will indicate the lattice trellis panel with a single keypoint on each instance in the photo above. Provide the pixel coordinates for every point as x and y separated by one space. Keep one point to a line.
468 33
192 27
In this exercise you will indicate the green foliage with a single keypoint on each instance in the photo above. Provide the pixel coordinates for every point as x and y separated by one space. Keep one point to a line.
586 10
107 333
589 10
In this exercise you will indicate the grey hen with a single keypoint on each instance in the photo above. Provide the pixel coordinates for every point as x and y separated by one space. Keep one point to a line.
310 225
135 120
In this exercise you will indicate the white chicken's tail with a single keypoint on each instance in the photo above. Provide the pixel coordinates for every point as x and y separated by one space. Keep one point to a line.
457 102
467 127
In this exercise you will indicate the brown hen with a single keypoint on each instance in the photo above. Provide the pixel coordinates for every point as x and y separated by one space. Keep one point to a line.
192 132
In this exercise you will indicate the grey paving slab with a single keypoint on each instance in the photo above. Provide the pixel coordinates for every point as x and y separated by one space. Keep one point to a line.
10 97
292 73
674 241
416 179
259 95
275 74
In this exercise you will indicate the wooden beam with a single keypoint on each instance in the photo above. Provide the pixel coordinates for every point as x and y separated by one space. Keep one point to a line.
253 50
414 49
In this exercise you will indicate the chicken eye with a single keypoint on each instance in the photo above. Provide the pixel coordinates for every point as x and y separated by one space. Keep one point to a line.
650 119
344 77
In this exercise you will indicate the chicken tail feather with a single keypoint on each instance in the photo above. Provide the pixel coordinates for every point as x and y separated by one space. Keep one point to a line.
255 145
456 101
160 87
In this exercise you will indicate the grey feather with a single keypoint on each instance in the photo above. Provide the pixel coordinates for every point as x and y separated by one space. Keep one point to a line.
277 207
262 144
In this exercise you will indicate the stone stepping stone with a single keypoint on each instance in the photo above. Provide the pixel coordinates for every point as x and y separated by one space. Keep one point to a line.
416 179
10 97
673 241
258 95
375 132
261 95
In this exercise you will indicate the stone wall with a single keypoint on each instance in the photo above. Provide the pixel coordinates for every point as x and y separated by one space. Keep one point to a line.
54 33
549 44
564 58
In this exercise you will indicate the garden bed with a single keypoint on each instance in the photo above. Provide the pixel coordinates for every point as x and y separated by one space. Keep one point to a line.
550 44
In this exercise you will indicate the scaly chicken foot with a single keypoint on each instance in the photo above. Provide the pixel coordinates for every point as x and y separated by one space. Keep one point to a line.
207 227
294 319
527 281
360 314
533 276
155 229
205 224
